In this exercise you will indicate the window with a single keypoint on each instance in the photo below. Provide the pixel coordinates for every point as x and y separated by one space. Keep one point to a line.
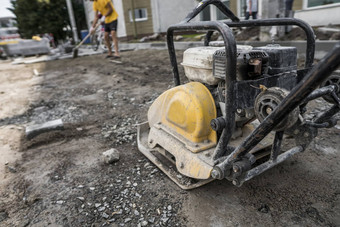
219 14
7 23
140 15
313 3
205 14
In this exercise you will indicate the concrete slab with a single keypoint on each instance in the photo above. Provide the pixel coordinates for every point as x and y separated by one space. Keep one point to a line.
326 29
34 130
45 58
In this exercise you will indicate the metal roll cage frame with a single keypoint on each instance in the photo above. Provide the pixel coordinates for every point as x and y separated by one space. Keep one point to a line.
306 89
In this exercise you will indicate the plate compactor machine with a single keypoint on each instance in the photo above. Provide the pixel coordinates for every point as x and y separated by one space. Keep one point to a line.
240 104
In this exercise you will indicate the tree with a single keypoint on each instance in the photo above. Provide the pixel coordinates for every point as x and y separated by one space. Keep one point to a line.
45 16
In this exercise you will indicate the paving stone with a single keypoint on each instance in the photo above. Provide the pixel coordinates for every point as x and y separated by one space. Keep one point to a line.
34 130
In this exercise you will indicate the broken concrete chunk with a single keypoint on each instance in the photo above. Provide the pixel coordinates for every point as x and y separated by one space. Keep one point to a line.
100 209
35 72
179 37
34 130
3 216
127 220
111 156
105 215
11 169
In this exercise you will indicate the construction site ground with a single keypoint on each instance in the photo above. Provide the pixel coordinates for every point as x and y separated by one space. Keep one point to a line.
58 178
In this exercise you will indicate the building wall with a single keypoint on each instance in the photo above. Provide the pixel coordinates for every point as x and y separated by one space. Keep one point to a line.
164 13
170 12
143 27
233 7
118 5
297 5
320 16
317 16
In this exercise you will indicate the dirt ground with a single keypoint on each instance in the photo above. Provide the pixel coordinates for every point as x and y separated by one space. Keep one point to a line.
59 178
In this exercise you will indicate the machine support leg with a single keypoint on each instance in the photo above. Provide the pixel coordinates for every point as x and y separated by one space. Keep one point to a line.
276 145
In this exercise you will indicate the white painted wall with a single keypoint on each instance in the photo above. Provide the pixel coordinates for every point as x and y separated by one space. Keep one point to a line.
118 4
170 12
320 16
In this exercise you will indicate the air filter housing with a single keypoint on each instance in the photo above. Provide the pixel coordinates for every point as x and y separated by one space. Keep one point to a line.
281 59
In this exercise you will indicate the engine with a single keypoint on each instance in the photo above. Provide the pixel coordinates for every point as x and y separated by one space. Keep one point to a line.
267 66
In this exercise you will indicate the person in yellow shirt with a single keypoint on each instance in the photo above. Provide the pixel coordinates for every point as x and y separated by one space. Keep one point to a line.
105 7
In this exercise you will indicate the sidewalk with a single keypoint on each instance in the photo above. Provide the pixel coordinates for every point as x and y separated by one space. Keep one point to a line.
321 49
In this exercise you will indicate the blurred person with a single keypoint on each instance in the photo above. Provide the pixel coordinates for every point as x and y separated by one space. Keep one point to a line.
289 6
50 38
289 13
105 7
251 9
